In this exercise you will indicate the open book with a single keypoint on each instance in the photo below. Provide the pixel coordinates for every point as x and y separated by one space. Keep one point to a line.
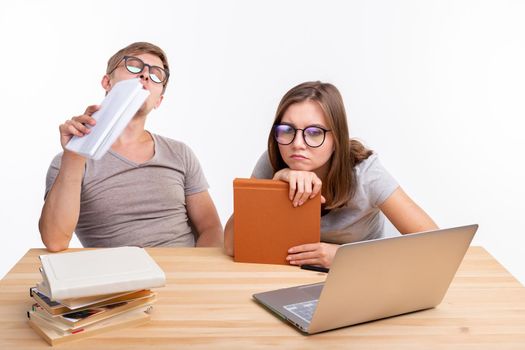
118 108
266 224
101 271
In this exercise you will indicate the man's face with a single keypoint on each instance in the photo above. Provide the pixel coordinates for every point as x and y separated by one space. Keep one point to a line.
121 73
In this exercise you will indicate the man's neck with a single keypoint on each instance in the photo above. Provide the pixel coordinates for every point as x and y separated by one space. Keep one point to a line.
134 133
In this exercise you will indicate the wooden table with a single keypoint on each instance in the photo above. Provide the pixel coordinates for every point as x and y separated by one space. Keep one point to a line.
207 304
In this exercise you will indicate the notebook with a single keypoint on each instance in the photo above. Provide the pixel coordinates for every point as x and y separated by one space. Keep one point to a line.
116 110
100 271
266 224
375 279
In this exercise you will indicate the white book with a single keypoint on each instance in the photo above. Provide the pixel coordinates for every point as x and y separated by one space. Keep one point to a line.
100 271
116 110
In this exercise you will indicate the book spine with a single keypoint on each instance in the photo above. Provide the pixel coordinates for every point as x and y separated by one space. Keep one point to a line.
256 184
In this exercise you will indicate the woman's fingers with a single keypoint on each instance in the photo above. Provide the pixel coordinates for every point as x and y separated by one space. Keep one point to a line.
303 185
316 188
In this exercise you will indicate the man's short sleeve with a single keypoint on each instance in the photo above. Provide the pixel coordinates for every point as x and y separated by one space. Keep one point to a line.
52 173
194 181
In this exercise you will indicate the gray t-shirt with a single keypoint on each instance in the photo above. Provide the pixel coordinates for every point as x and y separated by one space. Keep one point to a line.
361 219
127 204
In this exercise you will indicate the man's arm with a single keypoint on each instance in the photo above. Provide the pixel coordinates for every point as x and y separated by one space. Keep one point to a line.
205 219
61 209
62 206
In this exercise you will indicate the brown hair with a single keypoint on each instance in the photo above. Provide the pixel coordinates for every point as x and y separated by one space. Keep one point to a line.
340 183
138 48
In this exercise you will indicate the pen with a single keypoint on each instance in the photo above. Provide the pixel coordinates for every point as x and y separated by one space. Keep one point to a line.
315 268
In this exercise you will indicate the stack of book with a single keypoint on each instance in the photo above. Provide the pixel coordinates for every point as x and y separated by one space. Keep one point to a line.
90 292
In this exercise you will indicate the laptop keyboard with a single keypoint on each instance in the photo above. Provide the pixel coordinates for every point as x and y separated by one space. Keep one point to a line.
304 310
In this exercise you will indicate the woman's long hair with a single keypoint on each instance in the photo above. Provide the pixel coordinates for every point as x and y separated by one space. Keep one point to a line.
340 183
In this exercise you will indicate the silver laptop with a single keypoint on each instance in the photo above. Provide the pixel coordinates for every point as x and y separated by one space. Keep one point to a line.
375 279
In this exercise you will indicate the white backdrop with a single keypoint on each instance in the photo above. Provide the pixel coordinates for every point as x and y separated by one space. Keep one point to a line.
435 87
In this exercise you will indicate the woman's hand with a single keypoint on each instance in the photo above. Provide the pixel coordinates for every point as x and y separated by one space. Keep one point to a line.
320 254
76 126
304 185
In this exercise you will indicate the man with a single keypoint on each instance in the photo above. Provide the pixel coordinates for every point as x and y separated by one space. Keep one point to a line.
147 190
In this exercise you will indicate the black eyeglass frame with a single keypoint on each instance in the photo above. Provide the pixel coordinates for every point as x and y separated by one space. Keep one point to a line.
144 64
295 134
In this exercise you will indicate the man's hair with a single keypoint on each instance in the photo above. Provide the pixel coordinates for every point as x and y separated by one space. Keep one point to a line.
340 183
138 48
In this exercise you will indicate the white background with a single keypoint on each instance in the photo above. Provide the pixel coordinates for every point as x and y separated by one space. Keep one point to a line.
437 88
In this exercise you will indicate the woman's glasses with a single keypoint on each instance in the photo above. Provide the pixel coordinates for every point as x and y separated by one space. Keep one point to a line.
313 136
136 65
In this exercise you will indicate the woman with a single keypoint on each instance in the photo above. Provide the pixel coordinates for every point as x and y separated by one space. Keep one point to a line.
309 147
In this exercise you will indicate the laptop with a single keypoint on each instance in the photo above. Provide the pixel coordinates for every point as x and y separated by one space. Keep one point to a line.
375 279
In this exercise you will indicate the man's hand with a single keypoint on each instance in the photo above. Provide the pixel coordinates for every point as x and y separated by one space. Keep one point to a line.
320 254
76 126
304 185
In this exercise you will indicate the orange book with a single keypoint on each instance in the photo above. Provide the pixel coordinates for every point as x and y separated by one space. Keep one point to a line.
266 224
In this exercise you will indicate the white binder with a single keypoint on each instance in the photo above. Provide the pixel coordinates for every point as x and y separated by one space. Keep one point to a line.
116 110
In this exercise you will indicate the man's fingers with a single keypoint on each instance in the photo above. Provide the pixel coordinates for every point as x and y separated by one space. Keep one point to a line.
85 119
69 129
91 109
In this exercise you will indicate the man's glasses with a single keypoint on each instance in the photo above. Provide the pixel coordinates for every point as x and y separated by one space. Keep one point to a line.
136 65
313 136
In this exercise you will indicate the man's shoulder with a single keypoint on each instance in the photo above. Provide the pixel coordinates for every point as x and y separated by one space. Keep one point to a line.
57 159
168 147
167 140
170 144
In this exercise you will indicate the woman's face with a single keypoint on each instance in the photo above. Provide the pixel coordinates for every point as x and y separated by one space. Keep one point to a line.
298 155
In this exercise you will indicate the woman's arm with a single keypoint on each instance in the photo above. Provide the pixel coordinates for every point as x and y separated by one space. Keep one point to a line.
399 208
405 214
228 236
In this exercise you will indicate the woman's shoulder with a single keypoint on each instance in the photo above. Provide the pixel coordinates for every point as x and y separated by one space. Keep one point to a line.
375 180
368 164
371 170
263 168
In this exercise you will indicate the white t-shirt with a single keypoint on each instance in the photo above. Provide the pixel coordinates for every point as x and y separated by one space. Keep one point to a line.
361 219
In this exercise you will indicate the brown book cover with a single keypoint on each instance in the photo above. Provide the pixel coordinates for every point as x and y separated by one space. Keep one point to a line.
54 337
266 224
